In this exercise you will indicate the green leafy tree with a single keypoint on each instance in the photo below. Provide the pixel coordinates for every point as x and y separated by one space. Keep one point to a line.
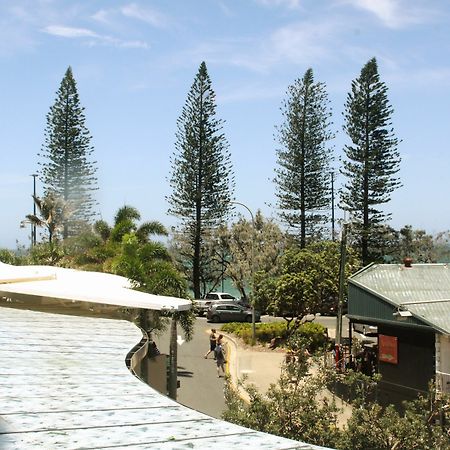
9 257
300 407
253 248
303 176
416 244
201 180
372 159
66 170
296 407
309 280
418 427
442 246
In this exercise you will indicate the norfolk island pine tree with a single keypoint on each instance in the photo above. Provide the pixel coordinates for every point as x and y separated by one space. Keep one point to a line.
66 170
201 179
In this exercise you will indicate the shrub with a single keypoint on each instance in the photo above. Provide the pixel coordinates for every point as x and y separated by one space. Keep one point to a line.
310 335
265 332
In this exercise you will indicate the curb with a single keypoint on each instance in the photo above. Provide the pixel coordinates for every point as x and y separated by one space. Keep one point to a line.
231 367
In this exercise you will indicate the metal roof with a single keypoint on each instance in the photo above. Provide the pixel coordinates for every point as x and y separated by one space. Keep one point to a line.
422 289
64 385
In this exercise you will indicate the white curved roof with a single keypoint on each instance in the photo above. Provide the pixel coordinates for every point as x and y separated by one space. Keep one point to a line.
46 282
65 385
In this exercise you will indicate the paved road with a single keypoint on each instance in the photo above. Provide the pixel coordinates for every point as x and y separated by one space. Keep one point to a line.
200 388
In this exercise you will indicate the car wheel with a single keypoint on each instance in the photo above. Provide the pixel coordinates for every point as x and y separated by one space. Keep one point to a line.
215 319
248 319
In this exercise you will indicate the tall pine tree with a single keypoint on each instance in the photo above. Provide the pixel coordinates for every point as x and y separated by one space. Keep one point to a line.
201 180
372 159
66 170
303 176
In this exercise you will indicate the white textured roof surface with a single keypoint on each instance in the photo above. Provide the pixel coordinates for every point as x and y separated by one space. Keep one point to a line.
64 385
79 286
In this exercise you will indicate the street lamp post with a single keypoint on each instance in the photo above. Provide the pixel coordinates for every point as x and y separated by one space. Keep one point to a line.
252 267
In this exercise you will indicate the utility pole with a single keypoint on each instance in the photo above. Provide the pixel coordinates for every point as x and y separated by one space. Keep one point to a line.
341 293
33 225
332 207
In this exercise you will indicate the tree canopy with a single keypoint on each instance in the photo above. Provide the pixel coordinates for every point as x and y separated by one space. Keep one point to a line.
303 174
201 178
372 159
67 170
309 279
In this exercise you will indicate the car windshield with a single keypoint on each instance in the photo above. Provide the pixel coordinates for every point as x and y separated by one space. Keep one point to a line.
228 297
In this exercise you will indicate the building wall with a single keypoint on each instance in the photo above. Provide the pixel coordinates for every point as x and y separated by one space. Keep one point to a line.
415 367
443 363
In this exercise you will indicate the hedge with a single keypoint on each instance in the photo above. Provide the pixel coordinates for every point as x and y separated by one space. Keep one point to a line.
310 333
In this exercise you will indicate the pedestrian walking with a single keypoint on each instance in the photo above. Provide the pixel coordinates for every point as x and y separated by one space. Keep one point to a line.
220 357
212 342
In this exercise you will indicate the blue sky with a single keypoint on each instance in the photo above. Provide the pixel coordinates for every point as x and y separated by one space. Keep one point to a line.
134 62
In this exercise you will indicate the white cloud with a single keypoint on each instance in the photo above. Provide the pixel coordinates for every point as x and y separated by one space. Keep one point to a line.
94 38
70 32
132 44
393 13
146 15
102 16
302 42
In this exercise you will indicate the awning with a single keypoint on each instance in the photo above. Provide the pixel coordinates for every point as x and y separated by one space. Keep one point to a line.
40 283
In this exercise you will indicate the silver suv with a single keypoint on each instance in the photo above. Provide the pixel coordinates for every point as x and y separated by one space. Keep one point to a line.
230 312
201 306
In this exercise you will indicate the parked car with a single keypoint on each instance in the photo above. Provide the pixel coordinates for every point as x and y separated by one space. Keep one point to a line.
202 305
230 312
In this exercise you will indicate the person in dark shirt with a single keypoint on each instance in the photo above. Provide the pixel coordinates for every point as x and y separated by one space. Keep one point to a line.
212 342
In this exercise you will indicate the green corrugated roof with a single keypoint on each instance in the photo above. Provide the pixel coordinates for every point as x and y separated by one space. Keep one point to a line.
423 289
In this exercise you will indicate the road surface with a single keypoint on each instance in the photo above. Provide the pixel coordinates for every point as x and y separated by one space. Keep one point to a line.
200 388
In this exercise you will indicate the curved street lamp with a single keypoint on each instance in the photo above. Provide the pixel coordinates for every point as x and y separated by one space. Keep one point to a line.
252 267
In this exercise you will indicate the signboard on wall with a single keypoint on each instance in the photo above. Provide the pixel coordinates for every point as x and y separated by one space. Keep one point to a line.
388 349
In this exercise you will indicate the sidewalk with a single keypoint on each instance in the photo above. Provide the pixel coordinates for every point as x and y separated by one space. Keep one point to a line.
263 368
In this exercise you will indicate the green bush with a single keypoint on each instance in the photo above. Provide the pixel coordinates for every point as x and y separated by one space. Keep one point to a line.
265 332
309 335
9 257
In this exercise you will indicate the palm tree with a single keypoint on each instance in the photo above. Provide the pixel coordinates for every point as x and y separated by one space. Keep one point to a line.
53 213
125 222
